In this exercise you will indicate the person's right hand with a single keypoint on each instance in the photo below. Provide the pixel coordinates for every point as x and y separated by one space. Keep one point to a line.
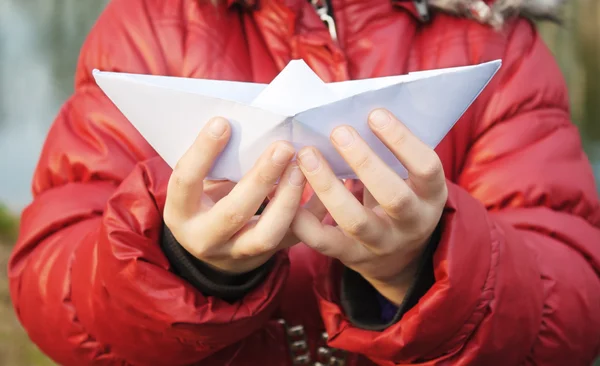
226 234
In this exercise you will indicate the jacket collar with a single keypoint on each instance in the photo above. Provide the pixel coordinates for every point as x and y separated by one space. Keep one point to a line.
243 4
417 8
492 12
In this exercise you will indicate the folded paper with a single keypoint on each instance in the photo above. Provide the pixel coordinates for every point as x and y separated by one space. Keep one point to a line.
297 106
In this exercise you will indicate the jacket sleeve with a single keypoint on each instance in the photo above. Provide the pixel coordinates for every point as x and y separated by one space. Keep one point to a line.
88 278
518 262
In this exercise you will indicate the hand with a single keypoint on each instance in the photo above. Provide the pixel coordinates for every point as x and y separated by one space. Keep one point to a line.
382 240
221 228
217 189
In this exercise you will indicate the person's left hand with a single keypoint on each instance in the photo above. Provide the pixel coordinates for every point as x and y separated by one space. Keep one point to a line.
382 239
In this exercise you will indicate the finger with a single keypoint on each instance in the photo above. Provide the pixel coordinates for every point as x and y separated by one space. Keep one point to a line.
345 209
316 207
185 186
268 232
217 189
325 239
368 199
234 210
426 174
392 192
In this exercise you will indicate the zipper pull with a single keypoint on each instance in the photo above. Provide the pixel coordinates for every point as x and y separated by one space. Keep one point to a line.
322 10
422 9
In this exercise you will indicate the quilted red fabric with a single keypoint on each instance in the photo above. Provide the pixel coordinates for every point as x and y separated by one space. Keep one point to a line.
517 268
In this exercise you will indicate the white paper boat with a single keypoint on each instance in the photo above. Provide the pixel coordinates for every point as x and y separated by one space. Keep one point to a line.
296 106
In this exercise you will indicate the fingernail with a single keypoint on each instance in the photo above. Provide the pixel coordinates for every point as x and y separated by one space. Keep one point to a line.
281 155
296 177
342 136
380 118
309 160
217 127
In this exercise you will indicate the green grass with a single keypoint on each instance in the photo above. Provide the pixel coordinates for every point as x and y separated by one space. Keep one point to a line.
9 225
15 347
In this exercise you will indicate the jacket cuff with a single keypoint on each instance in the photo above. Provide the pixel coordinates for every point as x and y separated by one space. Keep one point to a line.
210 281
369 310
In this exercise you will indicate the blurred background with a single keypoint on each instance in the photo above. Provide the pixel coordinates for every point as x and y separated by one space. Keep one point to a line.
39 46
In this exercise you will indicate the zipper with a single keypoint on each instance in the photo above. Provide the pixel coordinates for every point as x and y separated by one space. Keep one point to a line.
422 9
323 9
325 12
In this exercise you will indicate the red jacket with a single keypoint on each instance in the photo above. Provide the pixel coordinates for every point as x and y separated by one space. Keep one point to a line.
516 268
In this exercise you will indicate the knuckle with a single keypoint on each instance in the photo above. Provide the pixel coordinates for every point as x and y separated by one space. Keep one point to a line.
268 245
200 252
382 250
198 248
257 241
363 162
432 168
182 180
398 137
265 178
209 255
398 203
325 187
234 218
319 244
242 253
179 165
248 250
358 226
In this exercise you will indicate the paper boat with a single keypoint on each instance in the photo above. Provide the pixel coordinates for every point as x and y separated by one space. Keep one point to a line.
296 106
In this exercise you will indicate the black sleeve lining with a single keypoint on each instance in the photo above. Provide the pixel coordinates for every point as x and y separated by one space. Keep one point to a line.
208 280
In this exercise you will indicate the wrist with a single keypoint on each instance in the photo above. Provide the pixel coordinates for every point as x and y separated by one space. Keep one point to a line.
376 303
395 288
210 281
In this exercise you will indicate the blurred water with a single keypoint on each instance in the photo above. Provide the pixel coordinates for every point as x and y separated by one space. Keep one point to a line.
39 46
